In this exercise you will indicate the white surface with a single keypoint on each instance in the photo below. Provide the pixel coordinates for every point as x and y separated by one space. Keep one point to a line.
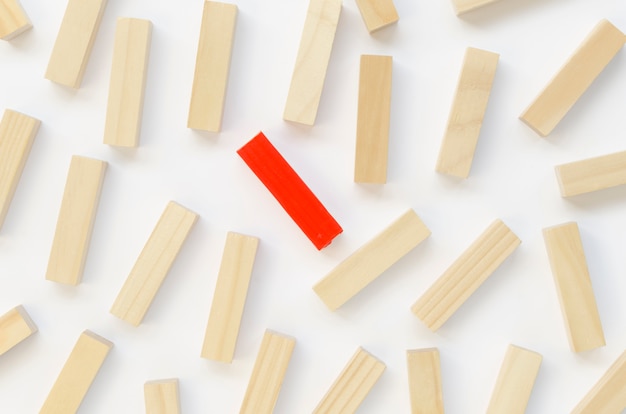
512 178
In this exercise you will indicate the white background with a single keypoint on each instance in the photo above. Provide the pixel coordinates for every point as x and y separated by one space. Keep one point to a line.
512 178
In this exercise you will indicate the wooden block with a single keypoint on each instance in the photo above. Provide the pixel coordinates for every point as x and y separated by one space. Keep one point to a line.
515 381
372 126
13 19
353 384
153 263
578 73
468 110
573 285
212 66
465 275
464 6
608 395
77 374
74 42
371 260
268 374
309 73
377 13
425 381
592 174
17 132
229 298
161 396
15 326
75 222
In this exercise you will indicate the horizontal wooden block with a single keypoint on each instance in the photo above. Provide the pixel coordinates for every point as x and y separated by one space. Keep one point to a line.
425 381
464 6
377 14
13 19
161 396
371 260
578 73
608 395
592 174
15 326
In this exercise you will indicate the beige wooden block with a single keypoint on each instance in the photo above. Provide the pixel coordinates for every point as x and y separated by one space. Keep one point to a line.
592 174
578 73
13 19
467 113
75 222
608 395
371 260
353 384
372 126
212 66
309 73
464 6
573 285
377 13
153 263
17 132
77 374
74 42
15 326
161 396
465 275
425 381
268 373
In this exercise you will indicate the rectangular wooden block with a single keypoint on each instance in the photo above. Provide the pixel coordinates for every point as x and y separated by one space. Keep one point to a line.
75 222
465 275
578 73
371 260
592 174
573 285
15 326
464 6
467 113
309 73
608 395
161 396
77 374
153 263
377 13
425 381
13 19
372 126
212 66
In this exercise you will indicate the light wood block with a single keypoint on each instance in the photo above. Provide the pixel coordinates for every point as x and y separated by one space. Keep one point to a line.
153 263
309 73
161 396
268 374
372 126
578 73
74 42
353 384
212 66
464 6
592 174
77 374
573 285
75 222
229 298
425 381
15 326
371 260
468 110
13 19
377 13
465 275
608 395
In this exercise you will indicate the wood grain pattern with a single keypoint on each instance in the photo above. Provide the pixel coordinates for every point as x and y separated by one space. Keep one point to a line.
608 395
15 326
464 6
13 19
592 174
161 396
425 381
377 14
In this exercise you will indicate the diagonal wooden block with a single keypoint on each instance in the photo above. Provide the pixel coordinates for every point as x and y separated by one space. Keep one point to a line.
608 395
13 19
15 326
592 174
464 6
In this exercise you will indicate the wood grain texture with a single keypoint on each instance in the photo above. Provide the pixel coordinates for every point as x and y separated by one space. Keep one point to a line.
15 326
371 260
467 113
13 19
76 219
573 79
161 396
573 285
309 73
425 381
153 263
464 6
377 14
212 66
465 275
592 174
608 395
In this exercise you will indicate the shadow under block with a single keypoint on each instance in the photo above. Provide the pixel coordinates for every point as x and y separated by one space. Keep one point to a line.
353 384
13 19
608 395
309 73
161 396
464 6
153 263
371 260
77 374
425 381
15 326
573 79
17 132
268 373
592 174
229 299
74 42
212 66
573 285
377 14
76 219
290 191
465 275
372 126
467 113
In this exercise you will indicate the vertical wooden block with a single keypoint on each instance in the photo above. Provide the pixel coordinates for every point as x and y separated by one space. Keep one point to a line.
468 110
13 19
573 285
592 174
74 42
309 73
425 381
77 374
212 66
75 222
371 260
377 13
153 263
464 6
161 396
372 127
608 395
15 326
465 275
578 73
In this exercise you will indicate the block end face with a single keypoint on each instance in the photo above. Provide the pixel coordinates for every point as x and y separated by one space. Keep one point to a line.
542 132
27 319
98 338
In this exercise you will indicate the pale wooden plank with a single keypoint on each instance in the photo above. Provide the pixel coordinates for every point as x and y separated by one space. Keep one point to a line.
425 381
15 326
464 6
13 19
161 396
608 395
377 14
592 174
